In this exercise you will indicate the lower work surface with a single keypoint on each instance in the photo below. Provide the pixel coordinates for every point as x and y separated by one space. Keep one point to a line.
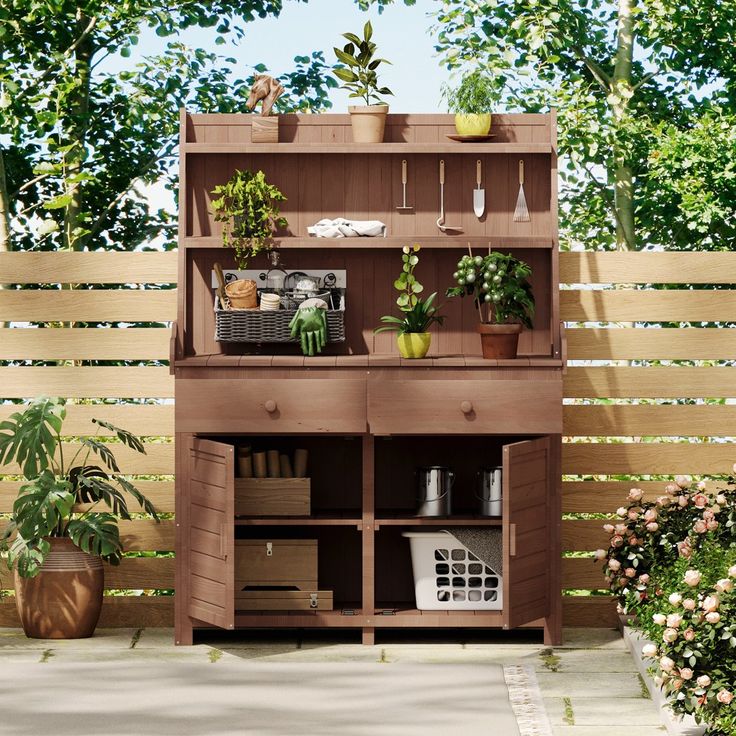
313 683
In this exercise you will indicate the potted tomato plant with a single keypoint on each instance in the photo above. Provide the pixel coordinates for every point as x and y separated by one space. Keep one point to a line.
418 315
57 537
499 285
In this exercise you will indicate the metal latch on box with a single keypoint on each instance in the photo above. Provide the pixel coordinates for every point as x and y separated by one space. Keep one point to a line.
269 549
313 602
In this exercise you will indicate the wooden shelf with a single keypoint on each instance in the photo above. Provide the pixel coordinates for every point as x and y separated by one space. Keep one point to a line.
408 520
447 147
301 619
318 520
411 617
426 241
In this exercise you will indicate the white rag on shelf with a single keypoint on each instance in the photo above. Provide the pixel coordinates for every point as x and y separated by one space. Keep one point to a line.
342 228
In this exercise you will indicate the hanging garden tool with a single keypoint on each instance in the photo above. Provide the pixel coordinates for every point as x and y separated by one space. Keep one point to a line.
479 195
404 178
441 219
521 213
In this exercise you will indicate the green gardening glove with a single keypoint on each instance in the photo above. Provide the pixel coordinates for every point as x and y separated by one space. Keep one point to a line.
310 325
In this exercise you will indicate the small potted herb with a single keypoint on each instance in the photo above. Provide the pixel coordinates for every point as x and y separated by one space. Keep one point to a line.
248 206
357 71
499 285
58 536
471 102
419 314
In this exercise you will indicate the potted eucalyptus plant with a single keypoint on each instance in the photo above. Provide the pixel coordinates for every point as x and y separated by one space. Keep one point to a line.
418 315
57 535
247 205
471 101
357 71
499 285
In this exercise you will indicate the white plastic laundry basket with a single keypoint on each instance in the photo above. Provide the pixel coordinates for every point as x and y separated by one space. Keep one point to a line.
449 577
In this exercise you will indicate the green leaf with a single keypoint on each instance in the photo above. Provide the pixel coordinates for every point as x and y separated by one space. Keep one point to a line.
345 58
345 74
126 437
97 534
367 31
103 451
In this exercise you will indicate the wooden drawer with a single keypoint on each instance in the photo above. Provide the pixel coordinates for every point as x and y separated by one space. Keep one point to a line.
463 406
282 405
284 600
276 562
272 497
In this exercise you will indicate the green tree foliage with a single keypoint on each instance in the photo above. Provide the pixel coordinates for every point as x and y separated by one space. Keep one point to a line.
638 84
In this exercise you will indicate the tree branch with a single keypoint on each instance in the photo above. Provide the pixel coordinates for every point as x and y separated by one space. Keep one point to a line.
594 68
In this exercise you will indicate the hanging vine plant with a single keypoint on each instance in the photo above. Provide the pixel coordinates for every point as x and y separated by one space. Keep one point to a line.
248 206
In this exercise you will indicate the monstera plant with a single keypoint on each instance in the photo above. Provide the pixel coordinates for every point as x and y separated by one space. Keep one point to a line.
65 518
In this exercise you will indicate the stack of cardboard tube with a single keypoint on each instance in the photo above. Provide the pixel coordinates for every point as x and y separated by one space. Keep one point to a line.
271 464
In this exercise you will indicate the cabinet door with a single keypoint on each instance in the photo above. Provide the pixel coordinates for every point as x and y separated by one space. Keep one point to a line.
526 557
211 497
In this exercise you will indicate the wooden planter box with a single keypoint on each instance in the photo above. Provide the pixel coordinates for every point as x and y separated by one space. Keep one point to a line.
272 497
276 563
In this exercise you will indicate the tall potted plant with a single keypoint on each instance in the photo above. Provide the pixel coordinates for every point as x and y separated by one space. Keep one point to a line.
471 102
357 71
56 538
248 206
499 285
418 314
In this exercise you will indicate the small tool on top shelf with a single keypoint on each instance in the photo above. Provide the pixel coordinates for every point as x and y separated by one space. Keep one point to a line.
266 89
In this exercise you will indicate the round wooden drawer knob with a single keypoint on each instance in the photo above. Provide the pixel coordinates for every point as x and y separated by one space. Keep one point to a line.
270 406
466 407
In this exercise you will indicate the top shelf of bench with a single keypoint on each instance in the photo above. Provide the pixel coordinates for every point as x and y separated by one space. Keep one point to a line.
448 147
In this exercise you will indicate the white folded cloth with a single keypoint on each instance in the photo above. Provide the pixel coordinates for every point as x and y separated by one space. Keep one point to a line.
342 228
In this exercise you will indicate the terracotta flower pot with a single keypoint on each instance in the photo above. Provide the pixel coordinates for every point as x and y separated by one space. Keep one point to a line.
368 122
473 124
499 341
414 344
64 600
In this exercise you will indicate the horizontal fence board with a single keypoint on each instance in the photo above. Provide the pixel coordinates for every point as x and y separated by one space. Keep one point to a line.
605 496
159 492
597 612
649 420
141 573
647 268
584 535
153 420
650 382
86 383
95 267
645 458
128 343
583 574
87 305
647 305
158 460
640 343
131 612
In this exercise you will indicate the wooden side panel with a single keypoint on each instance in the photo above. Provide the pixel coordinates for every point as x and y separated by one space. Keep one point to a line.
210 478
527 560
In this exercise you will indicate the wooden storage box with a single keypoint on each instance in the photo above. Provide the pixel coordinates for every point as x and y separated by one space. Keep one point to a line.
272 497
276 563
284 600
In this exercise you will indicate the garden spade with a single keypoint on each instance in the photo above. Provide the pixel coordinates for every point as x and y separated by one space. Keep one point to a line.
479 195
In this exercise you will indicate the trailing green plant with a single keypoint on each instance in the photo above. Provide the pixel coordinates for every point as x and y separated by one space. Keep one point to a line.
248 207
50 503
500 283
357 67
475 95
418 314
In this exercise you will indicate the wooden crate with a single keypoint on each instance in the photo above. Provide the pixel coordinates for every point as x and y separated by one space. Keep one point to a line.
272 497
276 562
283 600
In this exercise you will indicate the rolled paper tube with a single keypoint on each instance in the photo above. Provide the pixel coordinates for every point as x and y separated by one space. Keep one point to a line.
259 464
273 464
245 466
300 463
285 464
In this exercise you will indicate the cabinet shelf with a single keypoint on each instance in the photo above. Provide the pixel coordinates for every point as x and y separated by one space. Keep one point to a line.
446 147
318 520
409 520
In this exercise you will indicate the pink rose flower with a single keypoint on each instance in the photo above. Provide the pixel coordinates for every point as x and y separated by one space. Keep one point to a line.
703 681
636 494
675 599
712 525
608 528
660 619
733 467
633 514
682 501
685 549
666 664
724 585
708 515
652 526
620 529
700 527
644 579
688 634
711 603
721 500
732 571
616 541
650 515
671 489
670 635
688 604
725 697
600 555
649 650
633 541
683 481
664 501
692 578
676 684
630 572
701 485
686 673
700 500
615 565
622 511
713 617
674 620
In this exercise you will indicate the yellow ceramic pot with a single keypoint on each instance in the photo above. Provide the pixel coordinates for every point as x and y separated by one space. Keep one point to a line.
414 344
473 124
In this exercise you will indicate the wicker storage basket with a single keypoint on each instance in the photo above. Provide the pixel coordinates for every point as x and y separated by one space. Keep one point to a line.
253 325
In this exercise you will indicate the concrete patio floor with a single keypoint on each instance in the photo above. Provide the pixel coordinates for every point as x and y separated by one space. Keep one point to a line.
590 685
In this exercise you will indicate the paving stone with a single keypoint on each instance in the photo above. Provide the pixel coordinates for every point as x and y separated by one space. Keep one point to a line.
578 638
581 660
103 639
612 729
630 713
590 685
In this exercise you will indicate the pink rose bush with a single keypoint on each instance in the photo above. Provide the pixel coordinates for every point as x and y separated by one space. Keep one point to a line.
671 562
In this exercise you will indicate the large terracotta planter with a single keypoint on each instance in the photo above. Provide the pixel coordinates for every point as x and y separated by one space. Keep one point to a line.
414 344
499 341
64 600
368 122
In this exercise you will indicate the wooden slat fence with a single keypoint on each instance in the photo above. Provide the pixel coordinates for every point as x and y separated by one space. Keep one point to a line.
605 296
